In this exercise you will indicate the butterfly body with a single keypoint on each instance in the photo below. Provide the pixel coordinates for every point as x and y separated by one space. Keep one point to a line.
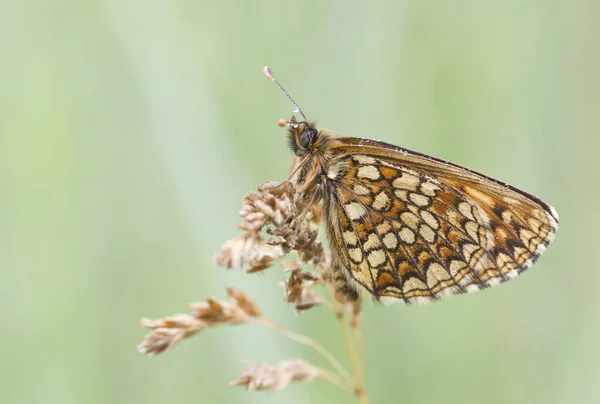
410 227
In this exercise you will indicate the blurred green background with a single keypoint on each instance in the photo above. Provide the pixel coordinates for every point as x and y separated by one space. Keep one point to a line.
130 131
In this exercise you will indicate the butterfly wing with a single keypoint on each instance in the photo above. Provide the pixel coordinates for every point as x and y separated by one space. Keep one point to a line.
408 226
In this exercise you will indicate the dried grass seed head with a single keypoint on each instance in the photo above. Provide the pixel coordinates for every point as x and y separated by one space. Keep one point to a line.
263 376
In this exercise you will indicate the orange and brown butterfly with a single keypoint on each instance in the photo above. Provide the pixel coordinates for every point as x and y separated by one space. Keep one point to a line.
410 227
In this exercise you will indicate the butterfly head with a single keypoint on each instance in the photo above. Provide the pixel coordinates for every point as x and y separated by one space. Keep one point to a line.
302 136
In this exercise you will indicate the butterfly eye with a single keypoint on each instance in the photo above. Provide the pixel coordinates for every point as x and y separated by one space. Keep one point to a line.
307 137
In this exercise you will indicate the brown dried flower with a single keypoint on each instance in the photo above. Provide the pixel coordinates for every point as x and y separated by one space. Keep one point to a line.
248 250
276 212
275 221
272 204
248 305
167 332
297 286
263 376
307 300
215 312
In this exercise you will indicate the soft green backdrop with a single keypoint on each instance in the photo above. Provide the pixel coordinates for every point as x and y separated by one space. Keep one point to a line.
129 132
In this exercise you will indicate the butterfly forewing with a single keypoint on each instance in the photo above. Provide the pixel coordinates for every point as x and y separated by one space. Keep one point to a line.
411 227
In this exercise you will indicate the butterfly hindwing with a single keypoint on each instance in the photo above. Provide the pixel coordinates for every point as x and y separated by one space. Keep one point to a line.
411 227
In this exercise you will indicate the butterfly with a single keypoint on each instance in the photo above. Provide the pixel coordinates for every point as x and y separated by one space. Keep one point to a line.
405 226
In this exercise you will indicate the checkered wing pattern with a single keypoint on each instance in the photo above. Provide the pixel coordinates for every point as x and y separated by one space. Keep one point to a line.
407 226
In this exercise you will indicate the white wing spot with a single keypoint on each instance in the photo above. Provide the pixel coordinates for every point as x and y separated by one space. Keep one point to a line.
390 241
383 228
419 200
381 201
503 261
401 194
368 172
406 181
355 210
350 238
414 283
427 233
472 230
507 216
469 249
355 254
376 258
361 190
361 159
429 189
456 266
435 274
410 219
465 209
429 219
372 242
407 235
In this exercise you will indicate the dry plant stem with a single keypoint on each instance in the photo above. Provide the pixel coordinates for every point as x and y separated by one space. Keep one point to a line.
308 342
360 347
359 390
356 330
357 363
335 380
356 355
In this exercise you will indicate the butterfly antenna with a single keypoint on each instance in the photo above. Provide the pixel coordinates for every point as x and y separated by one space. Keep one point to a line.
270 76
